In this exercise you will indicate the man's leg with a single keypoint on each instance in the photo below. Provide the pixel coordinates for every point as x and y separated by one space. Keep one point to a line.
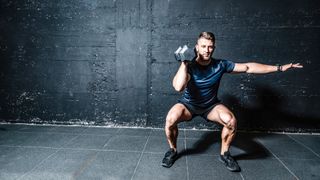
225 117
177 113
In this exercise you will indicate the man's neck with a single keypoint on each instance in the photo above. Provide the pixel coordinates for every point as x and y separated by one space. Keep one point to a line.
203 62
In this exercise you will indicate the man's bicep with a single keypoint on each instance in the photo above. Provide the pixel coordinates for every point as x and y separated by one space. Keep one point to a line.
240 68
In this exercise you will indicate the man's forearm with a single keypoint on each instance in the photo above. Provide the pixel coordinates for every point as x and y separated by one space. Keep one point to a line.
180 80
257 68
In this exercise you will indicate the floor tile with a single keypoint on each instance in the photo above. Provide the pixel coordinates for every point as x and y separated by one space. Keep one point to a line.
69 129
72 152
309 142
284 147
150 168
246 146
162 133
88 142
202 146
37 128
11 127
202 134
100 131
65 164
16 161
134 131
15 138
49 140
158 133
269 168
304 169
111 166
126 143
160 145
208 167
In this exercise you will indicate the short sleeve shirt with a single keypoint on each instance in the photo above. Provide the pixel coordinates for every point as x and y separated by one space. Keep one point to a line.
202 88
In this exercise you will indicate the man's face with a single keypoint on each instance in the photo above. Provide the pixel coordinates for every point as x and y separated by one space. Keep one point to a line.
205 48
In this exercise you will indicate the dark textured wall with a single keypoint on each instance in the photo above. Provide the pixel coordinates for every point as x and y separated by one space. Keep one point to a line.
110 62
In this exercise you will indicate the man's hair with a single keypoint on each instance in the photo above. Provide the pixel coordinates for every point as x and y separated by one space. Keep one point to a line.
207 35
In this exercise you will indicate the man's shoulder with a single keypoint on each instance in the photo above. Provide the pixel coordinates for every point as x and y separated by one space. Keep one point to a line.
219 60
224 62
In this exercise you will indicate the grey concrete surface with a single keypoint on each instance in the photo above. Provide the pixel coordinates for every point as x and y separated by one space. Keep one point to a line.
71 152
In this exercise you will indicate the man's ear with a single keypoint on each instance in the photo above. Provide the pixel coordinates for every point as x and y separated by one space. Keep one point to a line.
196 48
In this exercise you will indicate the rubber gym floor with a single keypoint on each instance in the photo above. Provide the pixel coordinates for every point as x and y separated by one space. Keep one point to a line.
81 152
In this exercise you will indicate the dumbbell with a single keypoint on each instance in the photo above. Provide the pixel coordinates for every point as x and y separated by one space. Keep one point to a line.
184 54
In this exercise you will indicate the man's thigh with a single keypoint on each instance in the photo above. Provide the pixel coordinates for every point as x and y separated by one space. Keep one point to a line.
221 114
179 112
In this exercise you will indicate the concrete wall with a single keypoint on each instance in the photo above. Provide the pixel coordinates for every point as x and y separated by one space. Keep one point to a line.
110 62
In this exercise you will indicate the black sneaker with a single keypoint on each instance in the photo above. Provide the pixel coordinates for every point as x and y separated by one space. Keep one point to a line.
169 158
229 162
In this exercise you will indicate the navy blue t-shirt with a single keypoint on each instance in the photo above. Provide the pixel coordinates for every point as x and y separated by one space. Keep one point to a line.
202 88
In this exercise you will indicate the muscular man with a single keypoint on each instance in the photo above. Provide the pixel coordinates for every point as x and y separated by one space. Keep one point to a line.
200 80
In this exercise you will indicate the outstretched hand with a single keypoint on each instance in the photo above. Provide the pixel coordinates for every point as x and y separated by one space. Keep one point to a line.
291 65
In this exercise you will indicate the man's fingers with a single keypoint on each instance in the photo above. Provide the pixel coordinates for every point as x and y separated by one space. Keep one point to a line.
297 65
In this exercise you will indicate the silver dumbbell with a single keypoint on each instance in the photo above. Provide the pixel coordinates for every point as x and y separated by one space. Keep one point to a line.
184 54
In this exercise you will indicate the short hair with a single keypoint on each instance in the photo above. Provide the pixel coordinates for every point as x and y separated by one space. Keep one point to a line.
207 35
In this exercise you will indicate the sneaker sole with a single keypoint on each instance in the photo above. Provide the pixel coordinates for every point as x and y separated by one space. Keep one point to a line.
169 165
166 165
224 163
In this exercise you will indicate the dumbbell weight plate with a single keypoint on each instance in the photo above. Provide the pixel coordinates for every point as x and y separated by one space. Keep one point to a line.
184 54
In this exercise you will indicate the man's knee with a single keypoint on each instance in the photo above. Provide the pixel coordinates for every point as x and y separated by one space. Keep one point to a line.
229 121
232 124
171 120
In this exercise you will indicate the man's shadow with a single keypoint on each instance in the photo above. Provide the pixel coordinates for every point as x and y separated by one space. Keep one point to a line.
266 115
269 111
244 146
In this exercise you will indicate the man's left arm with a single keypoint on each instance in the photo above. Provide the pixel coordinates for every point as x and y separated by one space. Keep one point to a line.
257 68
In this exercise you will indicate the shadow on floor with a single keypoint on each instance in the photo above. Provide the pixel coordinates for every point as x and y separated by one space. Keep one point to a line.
247 145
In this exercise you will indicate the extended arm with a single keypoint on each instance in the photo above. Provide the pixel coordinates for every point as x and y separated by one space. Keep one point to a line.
181 78
257 68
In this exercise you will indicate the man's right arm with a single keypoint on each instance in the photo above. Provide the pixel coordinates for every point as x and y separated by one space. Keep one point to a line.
181 78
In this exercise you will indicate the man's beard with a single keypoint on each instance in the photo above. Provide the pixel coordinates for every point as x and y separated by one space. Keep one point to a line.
202 57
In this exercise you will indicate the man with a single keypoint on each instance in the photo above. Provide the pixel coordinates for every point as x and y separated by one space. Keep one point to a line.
200 79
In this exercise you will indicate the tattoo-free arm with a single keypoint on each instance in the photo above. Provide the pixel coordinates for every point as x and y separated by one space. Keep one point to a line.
181 78
257 68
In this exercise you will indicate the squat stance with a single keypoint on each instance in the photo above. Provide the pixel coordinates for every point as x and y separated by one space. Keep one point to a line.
199 79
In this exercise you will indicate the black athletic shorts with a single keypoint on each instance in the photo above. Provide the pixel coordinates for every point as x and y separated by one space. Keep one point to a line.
198 111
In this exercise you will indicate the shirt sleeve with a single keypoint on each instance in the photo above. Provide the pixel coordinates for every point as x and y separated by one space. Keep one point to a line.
228 65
